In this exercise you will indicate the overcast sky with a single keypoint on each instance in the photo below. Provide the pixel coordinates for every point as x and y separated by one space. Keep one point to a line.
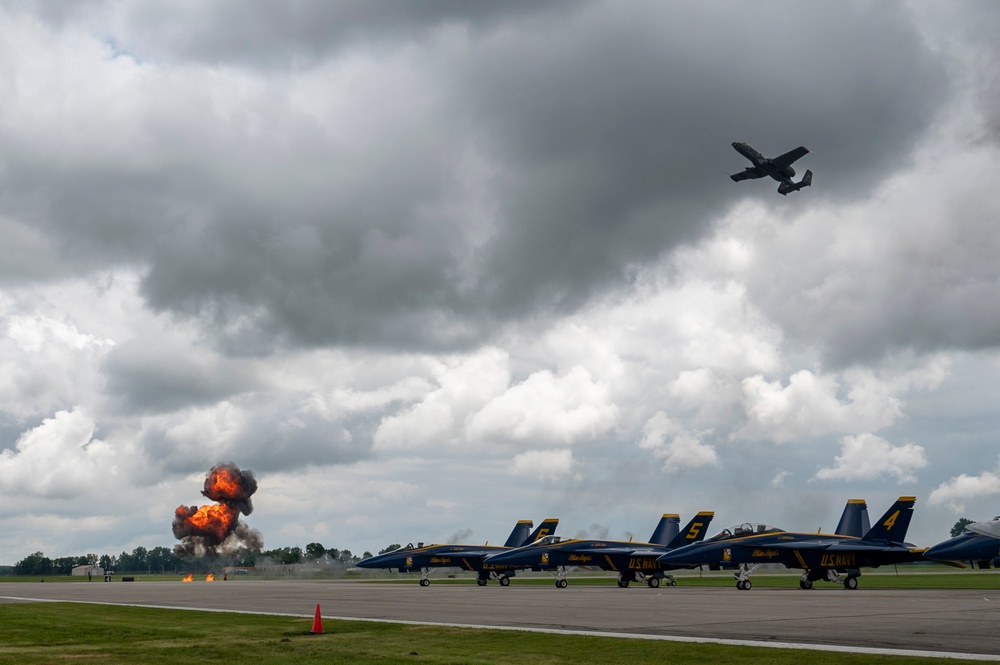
429 268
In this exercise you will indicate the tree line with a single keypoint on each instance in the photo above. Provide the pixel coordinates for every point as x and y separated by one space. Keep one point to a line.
162 560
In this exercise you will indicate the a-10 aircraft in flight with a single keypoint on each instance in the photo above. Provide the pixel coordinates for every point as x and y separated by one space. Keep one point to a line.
467 557
633 561
820 556
779 168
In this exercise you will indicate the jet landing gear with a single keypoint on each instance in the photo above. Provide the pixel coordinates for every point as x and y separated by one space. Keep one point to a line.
424 581
850 582
743 582
653 582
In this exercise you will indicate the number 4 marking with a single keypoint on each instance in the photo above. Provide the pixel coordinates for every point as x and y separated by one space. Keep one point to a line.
891 522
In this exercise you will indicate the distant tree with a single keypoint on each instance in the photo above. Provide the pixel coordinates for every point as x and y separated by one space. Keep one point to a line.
107 562
960 526
333 553
34 564
390 548
367 555
346 556
314 551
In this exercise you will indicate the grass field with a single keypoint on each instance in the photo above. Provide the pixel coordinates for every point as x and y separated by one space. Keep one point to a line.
37 633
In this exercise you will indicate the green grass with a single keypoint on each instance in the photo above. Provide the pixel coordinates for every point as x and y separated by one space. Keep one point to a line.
39 633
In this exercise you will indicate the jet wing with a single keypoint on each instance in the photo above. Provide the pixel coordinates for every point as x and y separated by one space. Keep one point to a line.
790 156
748 174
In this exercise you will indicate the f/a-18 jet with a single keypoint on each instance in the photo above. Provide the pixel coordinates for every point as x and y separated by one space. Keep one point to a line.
633 561
779 168
979 542
422 557
821 556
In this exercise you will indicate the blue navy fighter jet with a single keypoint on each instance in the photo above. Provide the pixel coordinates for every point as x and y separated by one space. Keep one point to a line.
979 542
632 561
821 556
467 557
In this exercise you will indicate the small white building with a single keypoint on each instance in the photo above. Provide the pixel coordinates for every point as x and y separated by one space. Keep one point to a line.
88 569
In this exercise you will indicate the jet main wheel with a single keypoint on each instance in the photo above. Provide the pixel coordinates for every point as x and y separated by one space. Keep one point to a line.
653 582
480 581
805 584
622 584
851 583
561 584
425 582
504 581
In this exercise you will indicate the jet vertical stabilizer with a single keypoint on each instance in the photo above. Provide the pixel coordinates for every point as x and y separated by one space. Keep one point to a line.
666 530
854 521
694 531
786 187
893 525
546 528
520 532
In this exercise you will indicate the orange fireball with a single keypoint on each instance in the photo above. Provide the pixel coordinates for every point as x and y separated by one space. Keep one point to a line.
189 578
210 577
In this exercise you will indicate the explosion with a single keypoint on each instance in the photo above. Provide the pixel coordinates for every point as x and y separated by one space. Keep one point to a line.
214 529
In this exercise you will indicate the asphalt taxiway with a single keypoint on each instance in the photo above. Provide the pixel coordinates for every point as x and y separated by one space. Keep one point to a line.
938 621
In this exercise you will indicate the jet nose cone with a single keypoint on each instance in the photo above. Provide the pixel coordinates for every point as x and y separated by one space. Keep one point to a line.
949 550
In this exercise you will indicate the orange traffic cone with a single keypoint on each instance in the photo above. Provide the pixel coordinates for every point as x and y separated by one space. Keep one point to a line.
317 622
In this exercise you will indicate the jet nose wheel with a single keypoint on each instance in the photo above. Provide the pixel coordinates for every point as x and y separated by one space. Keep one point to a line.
561 584
425 582
744 585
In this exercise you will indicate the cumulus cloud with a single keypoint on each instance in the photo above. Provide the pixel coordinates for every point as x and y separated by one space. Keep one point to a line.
677 448
544 464
545 408
58 459
869 457
962 489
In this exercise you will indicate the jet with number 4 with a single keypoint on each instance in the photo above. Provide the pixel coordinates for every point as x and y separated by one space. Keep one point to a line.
779 168
422 558
821 556
633 561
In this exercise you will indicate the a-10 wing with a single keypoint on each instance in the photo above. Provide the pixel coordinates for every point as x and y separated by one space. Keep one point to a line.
747 174
790 156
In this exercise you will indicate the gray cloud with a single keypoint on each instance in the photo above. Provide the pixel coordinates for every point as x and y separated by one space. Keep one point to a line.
467 180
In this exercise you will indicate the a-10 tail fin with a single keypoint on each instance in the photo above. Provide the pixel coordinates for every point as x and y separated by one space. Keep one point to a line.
546 528
694 531
666 530
520 532
854 521
786 187
893 525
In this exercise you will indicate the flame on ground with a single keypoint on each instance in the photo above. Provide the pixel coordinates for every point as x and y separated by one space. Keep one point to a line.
189 578
210 577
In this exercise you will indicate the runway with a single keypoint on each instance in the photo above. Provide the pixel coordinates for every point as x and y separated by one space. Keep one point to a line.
953 621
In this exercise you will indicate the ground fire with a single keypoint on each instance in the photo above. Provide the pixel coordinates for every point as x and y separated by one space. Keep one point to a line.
216 529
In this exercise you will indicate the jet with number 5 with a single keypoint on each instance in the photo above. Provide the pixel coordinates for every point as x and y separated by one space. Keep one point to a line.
821 556
422 557
779 168
632 561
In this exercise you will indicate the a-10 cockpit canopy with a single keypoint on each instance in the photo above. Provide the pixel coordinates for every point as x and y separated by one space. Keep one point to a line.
742 530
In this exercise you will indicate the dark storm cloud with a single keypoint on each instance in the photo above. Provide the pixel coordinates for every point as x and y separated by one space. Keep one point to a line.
470 178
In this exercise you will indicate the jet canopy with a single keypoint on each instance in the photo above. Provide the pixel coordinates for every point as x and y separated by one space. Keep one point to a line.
546 540
742 530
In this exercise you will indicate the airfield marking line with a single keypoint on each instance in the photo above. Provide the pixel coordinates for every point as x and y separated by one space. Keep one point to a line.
799 646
